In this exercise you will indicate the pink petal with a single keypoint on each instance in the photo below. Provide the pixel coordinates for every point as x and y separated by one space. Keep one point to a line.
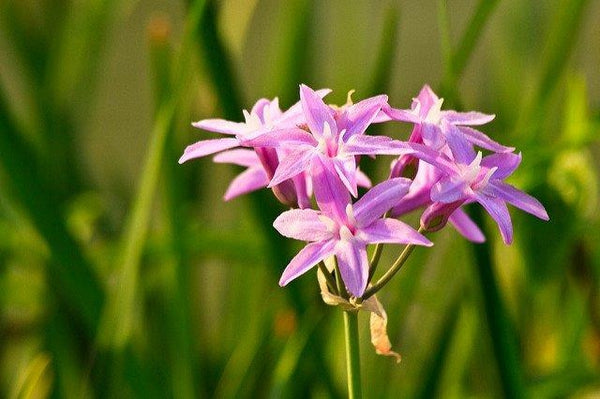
467 118
373 145
448 190
505 162
361 115
379 200
247 181
394 232
238 156
207 147
353 264
309 256
462 150
301 185
331 194
259 106
362 180
465 226
302 224
481 140
382 116
427 98
282 138
402 115
294 115
317 113
499 212
346 170
293 164
221 126
433 157
432 136
519 199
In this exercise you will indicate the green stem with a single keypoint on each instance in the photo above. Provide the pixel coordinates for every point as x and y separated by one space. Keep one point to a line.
352 342
391 271
375 259
352 354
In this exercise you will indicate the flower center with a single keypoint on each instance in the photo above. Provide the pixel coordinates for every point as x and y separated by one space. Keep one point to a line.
328 143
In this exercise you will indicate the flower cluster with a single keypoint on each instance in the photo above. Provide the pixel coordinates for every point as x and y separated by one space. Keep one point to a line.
312 150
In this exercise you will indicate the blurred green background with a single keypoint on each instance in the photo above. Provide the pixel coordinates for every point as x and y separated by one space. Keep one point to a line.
123 274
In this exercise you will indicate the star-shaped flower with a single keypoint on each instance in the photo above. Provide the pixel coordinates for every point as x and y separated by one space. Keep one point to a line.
481 179
344 229
336 141
436 128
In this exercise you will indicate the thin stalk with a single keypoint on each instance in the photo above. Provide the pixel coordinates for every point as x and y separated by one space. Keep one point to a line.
375 260
391 271
352 354
352 342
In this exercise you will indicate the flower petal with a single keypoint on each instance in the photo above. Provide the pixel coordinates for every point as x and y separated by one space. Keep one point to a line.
303 224
293 164
499 212
309 256
379 200
427 99
519 199
361 115
448 190
331 194
373 145
394 232
462 150
295 115
402 115
281 138
317 113
362 180
353 264
207 147
481 140
238 156
247 181
467 118
465 226
346 170
506 163
221 126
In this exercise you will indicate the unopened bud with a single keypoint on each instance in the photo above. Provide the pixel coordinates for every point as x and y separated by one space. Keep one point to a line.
285 192
436 215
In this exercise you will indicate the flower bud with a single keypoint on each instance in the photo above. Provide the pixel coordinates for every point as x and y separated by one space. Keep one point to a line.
285 192
436 215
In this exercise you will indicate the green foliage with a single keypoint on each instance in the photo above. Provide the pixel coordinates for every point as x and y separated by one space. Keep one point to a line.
123 274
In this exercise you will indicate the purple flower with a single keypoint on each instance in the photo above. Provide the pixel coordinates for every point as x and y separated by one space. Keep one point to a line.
480 179
419 196
336 141
343 229
264 116
436 128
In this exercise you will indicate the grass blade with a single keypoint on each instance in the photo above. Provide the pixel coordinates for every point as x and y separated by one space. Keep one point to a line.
501 329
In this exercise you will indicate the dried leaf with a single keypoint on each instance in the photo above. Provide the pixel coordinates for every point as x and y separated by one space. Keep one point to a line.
378 320
378 324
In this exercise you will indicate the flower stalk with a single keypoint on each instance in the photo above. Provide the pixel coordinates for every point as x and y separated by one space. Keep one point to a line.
352 342
369 292
352 354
